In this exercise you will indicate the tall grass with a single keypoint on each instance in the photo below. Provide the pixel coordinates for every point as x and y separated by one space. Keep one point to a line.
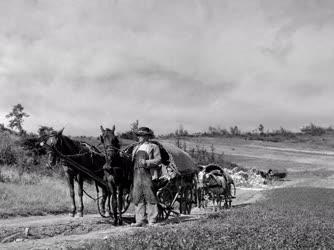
9 174
49 196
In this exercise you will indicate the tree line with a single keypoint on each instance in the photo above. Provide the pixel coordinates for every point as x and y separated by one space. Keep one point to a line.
17 115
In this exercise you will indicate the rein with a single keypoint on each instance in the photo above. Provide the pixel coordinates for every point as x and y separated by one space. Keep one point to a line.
115 148
78 166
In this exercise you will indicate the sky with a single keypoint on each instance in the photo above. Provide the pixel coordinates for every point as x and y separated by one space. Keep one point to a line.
199 63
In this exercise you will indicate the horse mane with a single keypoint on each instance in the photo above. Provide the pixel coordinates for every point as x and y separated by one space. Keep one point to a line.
70 142
80 145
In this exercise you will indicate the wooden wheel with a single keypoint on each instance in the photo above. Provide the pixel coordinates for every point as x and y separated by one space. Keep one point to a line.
165 199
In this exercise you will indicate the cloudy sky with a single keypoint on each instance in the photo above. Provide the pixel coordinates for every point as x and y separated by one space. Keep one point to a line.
78 64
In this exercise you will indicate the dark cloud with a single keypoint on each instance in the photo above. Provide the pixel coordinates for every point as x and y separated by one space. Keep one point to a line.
198 63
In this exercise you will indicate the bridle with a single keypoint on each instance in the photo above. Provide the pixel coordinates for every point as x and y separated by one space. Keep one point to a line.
111 152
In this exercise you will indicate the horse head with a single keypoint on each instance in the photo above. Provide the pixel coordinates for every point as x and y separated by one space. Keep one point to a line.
111 144
53 141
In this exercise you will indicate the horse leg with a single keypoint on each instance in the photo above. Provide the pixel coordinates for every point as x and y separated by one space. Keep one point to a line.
114 201
120 204
80 194
108 202
70 184
225 201
199 197
102 202
214 202
106 195
114 205
108 211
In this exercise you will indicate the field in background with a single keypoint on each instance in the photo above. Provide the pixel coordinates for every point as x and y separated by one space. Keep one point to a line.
260 155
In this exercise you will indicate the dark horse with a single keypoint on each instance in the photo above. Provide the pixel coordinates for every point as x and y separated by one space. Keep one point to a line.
80 153
118 172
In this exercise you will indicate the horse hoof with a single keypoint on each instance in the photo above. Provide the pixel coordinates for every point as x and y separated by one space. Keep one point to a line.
107 214
72 214
120 223
115 223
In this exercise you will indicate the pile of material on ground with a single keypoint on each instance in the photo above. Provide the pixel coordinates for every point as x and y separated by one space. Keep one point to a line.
249 177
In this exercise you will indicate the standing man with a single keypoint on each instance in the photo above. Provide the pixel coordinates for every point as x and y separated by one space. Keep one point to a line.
146 157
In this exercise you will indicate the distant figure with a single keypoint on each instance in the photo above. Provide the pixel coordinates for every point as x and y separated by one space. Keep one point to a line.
146 157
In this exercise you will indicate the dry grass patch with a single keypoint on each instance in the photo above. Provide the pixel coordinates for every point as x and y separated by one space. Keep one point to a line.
48 196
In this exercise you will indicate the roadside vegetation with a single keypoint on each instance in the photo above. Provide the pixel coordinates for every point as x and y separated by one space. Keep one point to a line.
292 218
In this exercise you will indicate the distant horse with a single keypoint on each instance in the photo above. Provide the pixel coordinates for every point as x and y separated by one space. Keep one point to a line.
218 188
215 182
80 153
201 190
118 172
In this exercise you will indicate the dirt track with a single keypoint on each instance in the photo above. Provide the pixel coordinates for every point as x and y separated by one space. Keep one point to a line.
62 231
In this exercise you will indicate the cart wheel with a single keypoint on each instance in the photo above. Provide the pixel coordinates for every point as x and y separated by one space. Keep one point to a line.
186 201
165 199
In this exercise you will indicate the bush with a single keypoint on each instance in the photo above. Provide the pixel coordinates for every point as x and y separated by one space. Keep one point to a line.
313 130
7 152
7 155
22 156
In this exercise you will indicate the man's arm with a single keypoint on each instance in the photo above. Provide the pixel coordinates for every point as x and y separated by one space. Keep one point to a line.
151 163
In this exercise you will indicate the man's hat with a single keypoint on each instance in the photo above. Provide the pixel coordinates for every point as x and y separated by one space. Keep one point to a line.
144 131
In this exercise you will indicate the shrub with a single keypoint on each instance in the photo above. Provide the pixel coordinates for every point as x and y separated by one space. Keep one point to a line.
7 152
313 130
7 155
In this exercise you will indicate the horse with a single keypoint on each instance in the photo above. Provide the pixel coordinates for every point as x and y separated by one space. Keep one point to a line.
218 177
219 187
118 172
201 190
80 153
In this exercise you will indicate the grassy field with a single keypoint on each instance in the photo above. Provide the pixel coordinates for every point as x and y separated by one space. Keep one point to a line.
36 195
292 218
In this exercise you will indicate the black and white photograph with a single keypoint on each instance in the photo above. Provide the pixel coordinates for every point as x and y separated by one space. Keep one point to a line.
166 124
